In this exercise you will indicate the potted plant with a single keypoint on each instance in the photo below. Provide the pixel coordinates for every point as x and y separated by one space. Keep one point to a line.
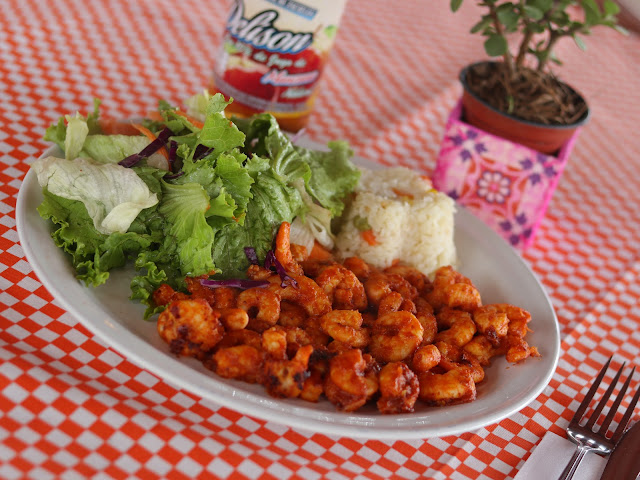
508 139
516 96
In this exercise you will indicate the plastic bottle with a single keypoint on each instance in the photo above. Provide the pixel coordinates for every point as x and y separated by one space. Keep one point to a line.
272 56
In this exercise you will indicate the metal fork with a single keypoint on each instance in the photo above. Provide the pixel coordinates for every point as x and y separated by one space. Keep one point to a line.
590 440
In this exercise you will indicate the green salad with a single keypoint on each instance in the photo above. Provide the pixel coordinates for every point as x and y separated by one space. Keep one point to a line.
185 196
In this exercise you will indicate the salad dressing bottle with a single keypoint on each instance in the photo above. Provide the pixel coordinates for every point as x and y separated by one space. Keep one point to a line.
272 56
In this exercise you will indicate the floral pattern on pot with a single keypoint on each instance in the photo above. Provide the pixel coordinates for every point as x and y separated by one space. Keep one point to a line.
506 184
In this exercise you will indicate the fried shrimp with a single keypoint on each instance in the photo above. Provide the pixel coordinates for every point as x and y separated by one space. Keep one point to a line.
241 362
394 302
262 305
452 358
449 388
285 378
460 332
424 314
505 326
351 380
283 250
452 289
399 388
307 294
165 294
380 284
482 348
343 288
359 267
414 276
395 336
291 315
345 326
425 358
493 320
274 342
233 318
190 327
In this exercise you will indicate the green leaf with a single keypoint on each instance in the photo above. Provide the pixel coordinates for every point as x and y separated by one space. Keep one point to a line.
236 180
579 42
218 131
77 131
482 24
455 5
611 8
184 207
560 18
592 15
554 58
508 16
56 133
535 28
533 13
495 45
542 5
333 175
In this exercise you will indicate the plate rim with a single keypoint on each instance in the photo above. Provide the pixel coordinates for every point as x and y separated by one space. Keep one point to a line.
355 426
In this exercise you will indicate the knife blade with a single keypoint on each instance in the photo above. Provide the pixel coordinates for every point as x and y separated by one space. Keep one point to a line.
624 462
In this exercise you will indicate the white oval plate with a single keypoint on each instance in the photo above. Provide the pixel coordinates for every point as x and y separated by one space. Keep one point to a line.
495 268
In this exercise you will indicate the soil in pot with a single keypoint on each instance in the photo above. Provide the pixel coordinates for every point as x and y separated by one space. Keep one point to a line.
545 113
529 95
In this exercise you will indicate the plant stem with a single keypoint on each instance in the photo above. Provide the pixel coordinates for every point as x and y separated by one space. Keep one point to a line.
508 58
522 51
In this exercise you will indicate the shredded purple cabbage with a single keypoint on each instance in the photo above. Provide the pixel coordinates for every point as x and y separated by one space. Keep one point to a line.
236 283
252 256
131 160
201 152
173 151
149 150
173 175
158 143
271 261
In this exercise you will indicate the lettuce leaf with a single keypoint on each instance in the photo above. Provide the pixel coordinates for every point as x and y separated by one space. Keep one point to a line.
333 176
113 195
77 131
93 253
57 133
184 207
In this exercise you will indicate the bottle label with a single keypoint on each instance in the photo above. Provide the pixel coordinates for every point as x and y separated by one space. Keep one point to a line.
273 52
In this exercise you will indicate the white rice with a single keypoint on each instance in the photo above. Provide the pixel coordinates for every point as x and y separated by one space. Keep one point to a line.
416 230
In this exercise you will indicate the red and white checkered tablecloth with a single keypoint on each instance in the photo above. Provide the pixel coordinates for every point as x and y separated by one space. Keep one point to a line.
72 407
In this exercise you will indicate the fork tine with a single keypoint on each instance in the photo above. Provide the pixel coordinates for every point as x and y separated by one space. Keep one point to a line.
592 391
605 398
614 408
625 419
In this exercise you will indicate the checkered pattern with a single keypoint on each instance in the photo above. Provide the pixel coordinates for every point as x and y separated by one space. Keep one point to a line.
71 407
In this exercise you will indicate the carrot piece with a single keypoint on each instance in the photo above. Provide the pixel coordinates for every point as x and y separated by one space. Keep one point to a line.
402 193
319 253
194 122
369 237
149 134
114 126
155 115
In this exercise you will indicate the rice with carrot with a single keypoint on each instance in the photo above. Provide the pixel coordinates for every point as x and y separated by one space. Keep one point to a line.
396 215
